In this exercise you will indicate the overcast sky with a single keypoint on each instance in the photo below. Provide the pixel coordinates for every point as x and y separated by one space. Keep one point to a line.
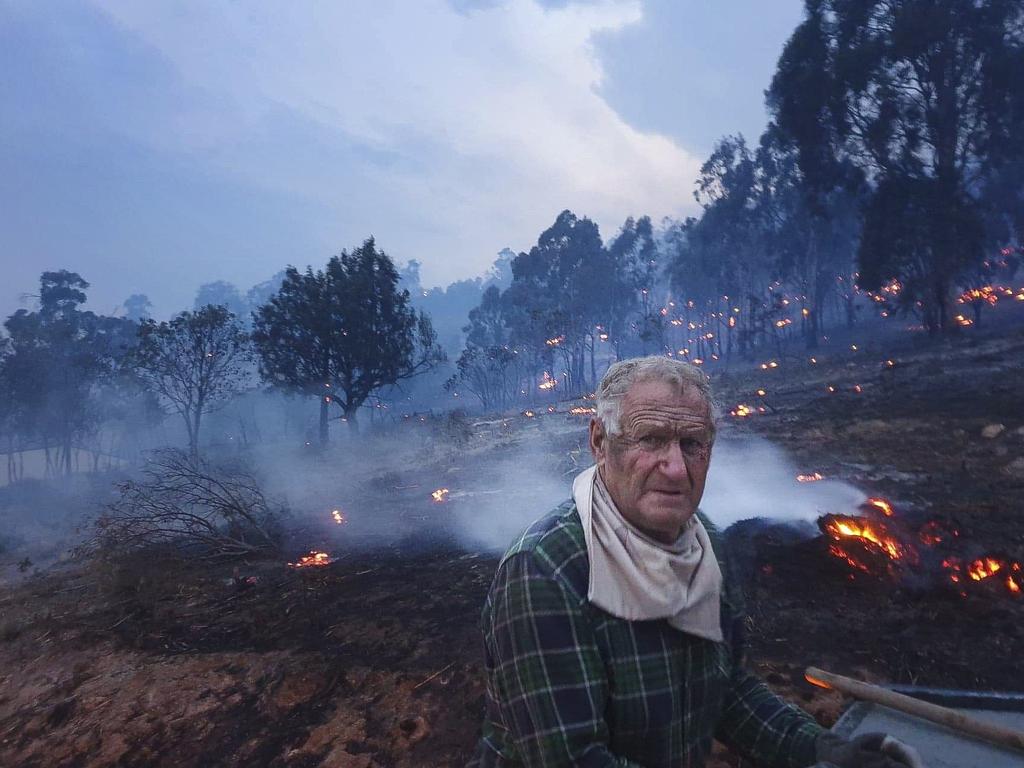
154 146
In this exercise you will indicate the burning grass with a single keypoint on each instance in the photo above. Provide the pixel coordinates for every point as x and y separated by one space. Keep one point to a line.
375 660
859 542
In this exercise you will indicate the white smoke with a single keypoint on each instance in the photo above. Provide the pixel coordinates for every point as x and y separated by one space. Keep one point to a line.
749 478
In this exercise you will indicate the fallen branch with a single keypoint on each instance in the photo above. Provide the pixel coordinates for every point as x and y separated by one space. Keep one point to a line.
440 671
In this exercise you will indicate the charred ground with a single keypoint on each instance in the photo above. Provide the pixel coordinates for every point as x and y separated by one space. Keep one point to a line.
375 660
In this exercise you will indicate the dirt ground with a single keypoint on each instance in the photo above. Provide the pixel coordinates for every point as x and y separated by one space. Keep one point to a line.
375 660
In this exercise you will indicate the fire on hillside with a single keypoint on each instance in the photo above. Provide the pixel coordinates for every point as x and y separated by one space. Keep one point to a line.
892 548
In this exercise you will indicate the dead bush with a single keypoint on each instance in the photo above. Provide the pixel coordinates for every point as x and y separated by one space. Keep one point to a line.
191 507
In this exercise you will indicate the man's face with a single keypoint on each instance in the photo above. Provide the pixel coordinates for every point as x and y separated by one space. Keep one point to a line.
656 466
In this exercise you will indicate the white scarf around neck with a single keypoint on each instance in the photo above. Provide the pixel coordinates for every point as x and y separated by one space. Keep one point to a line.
636 578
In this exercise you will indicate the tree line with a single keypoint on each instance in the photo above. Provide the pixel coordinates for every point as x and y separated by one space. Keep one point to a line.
71 378
891 173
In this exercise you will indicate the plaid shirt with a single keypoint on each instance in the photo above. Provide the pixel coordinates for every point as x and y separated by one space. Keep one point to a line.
568 684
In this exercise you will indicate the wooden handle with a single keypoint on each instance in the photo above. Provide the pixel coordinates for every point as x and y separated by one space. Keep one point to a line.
996 734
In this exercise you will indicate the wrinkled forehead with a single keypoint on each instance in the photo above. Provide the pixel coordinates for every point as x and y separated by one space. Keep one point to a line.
666 405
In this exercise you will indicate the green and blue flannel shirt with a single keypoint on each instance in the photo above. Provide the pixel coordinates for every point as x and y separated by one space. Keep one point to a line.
571 685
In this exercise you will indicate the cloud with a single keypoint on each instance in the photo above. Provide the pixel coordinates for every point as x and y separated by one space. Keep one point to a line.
448 132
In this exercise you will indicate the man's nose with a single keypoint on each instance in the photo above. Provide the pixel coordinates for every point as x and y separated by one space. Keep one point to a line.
673 465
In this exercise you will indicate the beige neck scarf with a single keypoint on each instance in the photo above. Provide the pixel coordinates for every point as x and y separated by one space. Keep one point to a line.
636 578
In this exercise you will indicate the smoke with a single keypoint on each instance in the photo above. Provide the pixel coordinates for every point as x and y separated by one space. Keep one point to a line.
749 478
532 481
501 475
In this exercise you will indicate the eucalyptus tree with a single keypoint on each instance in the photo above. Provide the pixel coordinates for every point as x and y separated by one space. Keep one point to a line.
341 333
925 96
195 363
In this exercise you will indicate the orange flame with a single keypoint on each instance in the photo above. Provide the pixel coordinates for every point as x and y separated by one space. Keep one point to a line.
838 551
984 568
841 526
313 559
881 505
817 682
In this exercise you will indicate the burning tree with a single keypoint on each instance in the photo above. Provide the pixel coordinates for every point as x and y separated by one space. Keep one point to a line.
923 96
195 363
343 332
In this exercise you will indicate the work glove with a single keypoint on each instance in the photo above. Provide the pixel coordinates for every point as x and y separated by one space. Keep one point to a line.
869 750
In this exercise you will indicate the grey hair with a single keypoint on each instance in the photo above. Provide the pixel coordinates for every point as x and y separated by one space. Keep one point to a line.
622 375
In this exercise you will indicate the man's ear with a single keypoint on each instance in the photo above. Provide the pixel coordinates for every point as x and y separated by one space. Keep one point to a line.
598 441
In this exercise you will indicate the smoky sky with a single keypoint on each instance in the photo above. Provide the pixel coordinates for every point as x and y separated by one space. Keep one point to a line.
156 146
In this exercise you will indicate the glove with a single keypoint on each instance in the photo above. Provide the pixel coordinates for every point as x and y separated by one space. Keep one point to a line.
869 750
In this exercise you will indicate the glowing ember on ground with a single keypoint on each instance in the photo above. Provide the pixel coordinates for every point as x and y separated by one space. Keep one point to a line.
741 411
837 551
1010 573
769 364
338 517
312 560
440 495
581 410
881 505
547 382
935 532
529 414
842 527
812 478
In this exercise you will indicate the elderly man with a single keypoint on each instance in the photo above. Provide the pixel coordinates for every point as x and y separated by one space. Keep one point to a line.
611 636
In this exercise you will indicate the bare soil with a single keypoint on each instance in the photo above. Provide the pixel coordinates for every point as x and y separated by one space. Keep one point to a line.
375 660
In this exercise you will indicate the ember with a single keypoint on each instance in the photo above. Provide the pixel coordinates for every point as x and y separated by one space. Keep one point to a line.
313 559
935 532
841 527
741 411
837 551
440 495
338 517
1010 573
581 410
812 478
881 505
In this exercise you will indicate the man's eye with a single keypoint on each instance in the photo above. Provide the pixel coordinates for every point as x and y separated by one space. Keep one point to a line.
691 447
650 442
